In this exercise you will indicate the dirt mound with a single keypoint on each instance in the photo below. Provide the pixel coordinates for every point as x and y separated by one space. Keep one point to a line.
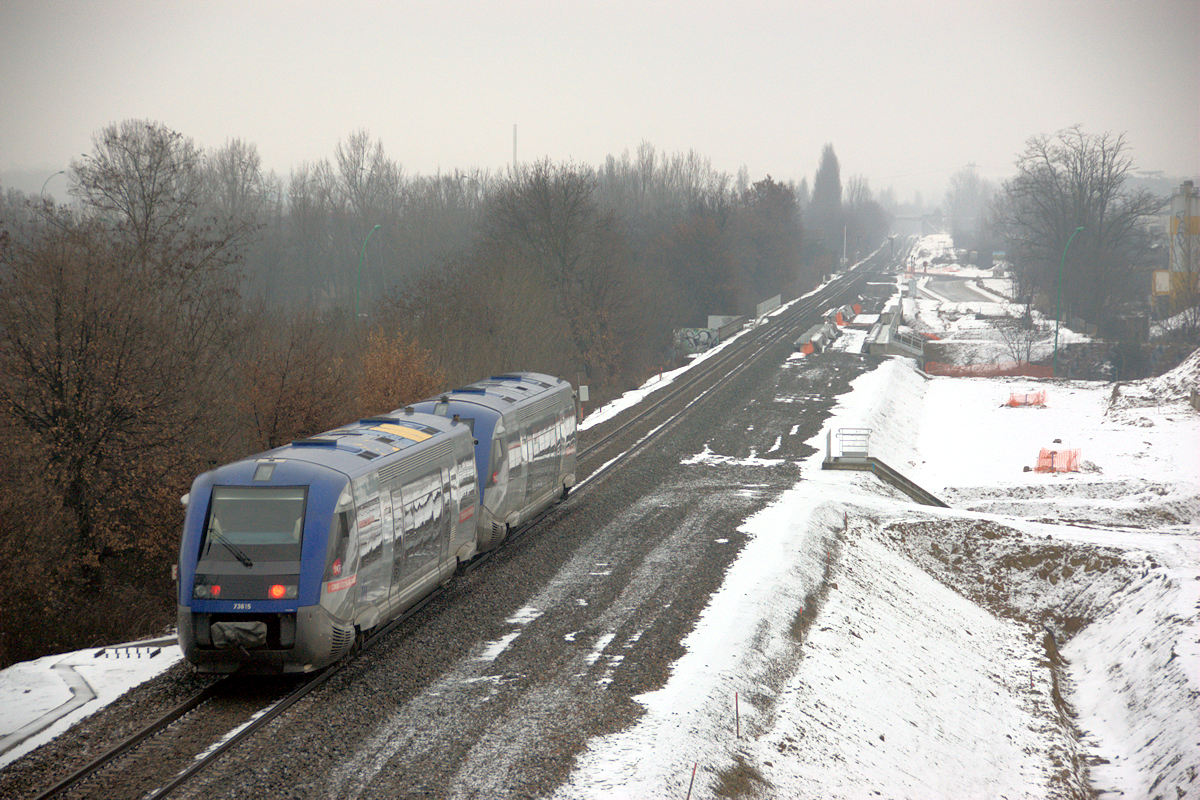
1172 387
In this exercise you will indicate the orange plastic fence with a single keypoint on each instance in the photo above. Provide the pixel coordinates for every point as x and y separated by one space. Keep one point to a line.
1027 399
1057 461
989 370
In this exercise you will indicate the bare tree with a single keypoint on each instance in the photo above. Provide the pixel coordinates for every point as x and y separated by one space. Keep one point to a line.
867 222
145 176
293 378
235 190
546 217
966 204
395 370
1184 263
769 239
368 180
1019 336
115 363
1072 180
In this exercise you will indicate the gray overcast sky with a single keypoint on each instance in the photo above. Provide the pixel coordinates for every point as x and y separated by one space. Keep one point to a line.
907 92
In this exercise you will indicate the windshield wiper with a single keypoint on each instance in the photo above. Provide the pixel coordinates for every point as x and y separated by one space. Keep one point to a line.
238 553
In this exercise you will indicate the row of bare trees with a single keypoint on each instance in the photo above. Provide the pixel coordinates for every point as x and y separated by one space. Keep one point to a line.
187 309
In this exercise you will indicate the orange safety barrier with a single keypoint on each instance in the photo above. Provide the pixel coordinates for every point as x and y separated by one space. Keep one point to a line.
1011 368
838 319
807 348
857 308
1057 461
1027 399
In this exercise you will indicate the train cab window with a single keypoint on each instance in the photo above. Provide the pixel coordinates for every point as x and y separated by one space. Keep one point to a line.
248 523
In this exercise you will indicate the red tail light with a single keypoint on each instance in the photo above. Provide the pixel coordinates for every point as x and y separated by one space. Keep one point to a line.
215 590
277 591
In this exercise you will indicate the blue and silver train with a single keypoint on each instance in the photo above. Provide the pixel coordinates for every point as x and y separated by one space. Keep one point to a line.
289 557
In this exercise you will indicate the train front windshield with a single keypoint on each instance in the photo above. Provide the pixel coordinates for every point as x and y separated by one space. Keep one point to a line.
255 522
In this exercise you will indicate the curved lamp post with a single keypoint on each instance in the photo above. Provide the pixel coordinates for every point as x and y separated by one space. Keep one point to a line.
1058 305
42 193
361 255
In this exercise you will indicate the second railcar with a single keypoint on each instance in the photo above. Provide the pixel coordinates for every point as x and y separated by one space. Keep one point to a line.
525 430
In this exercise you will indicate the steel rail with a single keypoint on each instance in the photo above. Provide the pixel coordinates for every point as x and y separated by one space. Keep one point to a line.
753 345
81 774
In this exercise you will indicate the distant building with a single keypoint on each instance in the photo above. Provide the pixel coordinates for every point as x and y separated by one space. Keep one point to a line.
1179 281
1185 228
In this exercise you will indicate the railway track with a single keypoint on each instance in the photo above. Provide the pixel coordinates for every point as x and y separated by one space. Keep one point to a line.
201 729
731 361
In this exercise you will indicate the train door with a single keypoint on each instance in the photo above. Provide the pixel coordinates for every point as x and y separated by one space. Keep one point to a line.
400 535
518 471
426 524
505 487
373 576
542 467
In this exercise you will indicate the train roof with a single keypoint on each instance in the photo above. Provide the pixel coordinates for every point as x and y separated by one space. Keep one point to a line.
361 447
501 393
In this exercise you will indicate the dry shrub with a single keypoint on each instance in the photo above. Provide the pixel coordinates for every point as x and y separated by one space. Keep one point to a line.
295 380
395 370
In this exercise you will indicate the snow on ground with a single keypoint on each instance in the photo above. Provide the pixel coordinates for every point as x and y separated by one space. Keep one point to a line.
69 687
935 254
863 645
971 326
1041 633
1188 319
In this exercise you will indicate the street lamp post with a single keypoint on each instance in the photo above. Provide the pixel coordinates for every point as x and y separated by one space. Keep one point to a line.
42 193
361 255
1058 305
